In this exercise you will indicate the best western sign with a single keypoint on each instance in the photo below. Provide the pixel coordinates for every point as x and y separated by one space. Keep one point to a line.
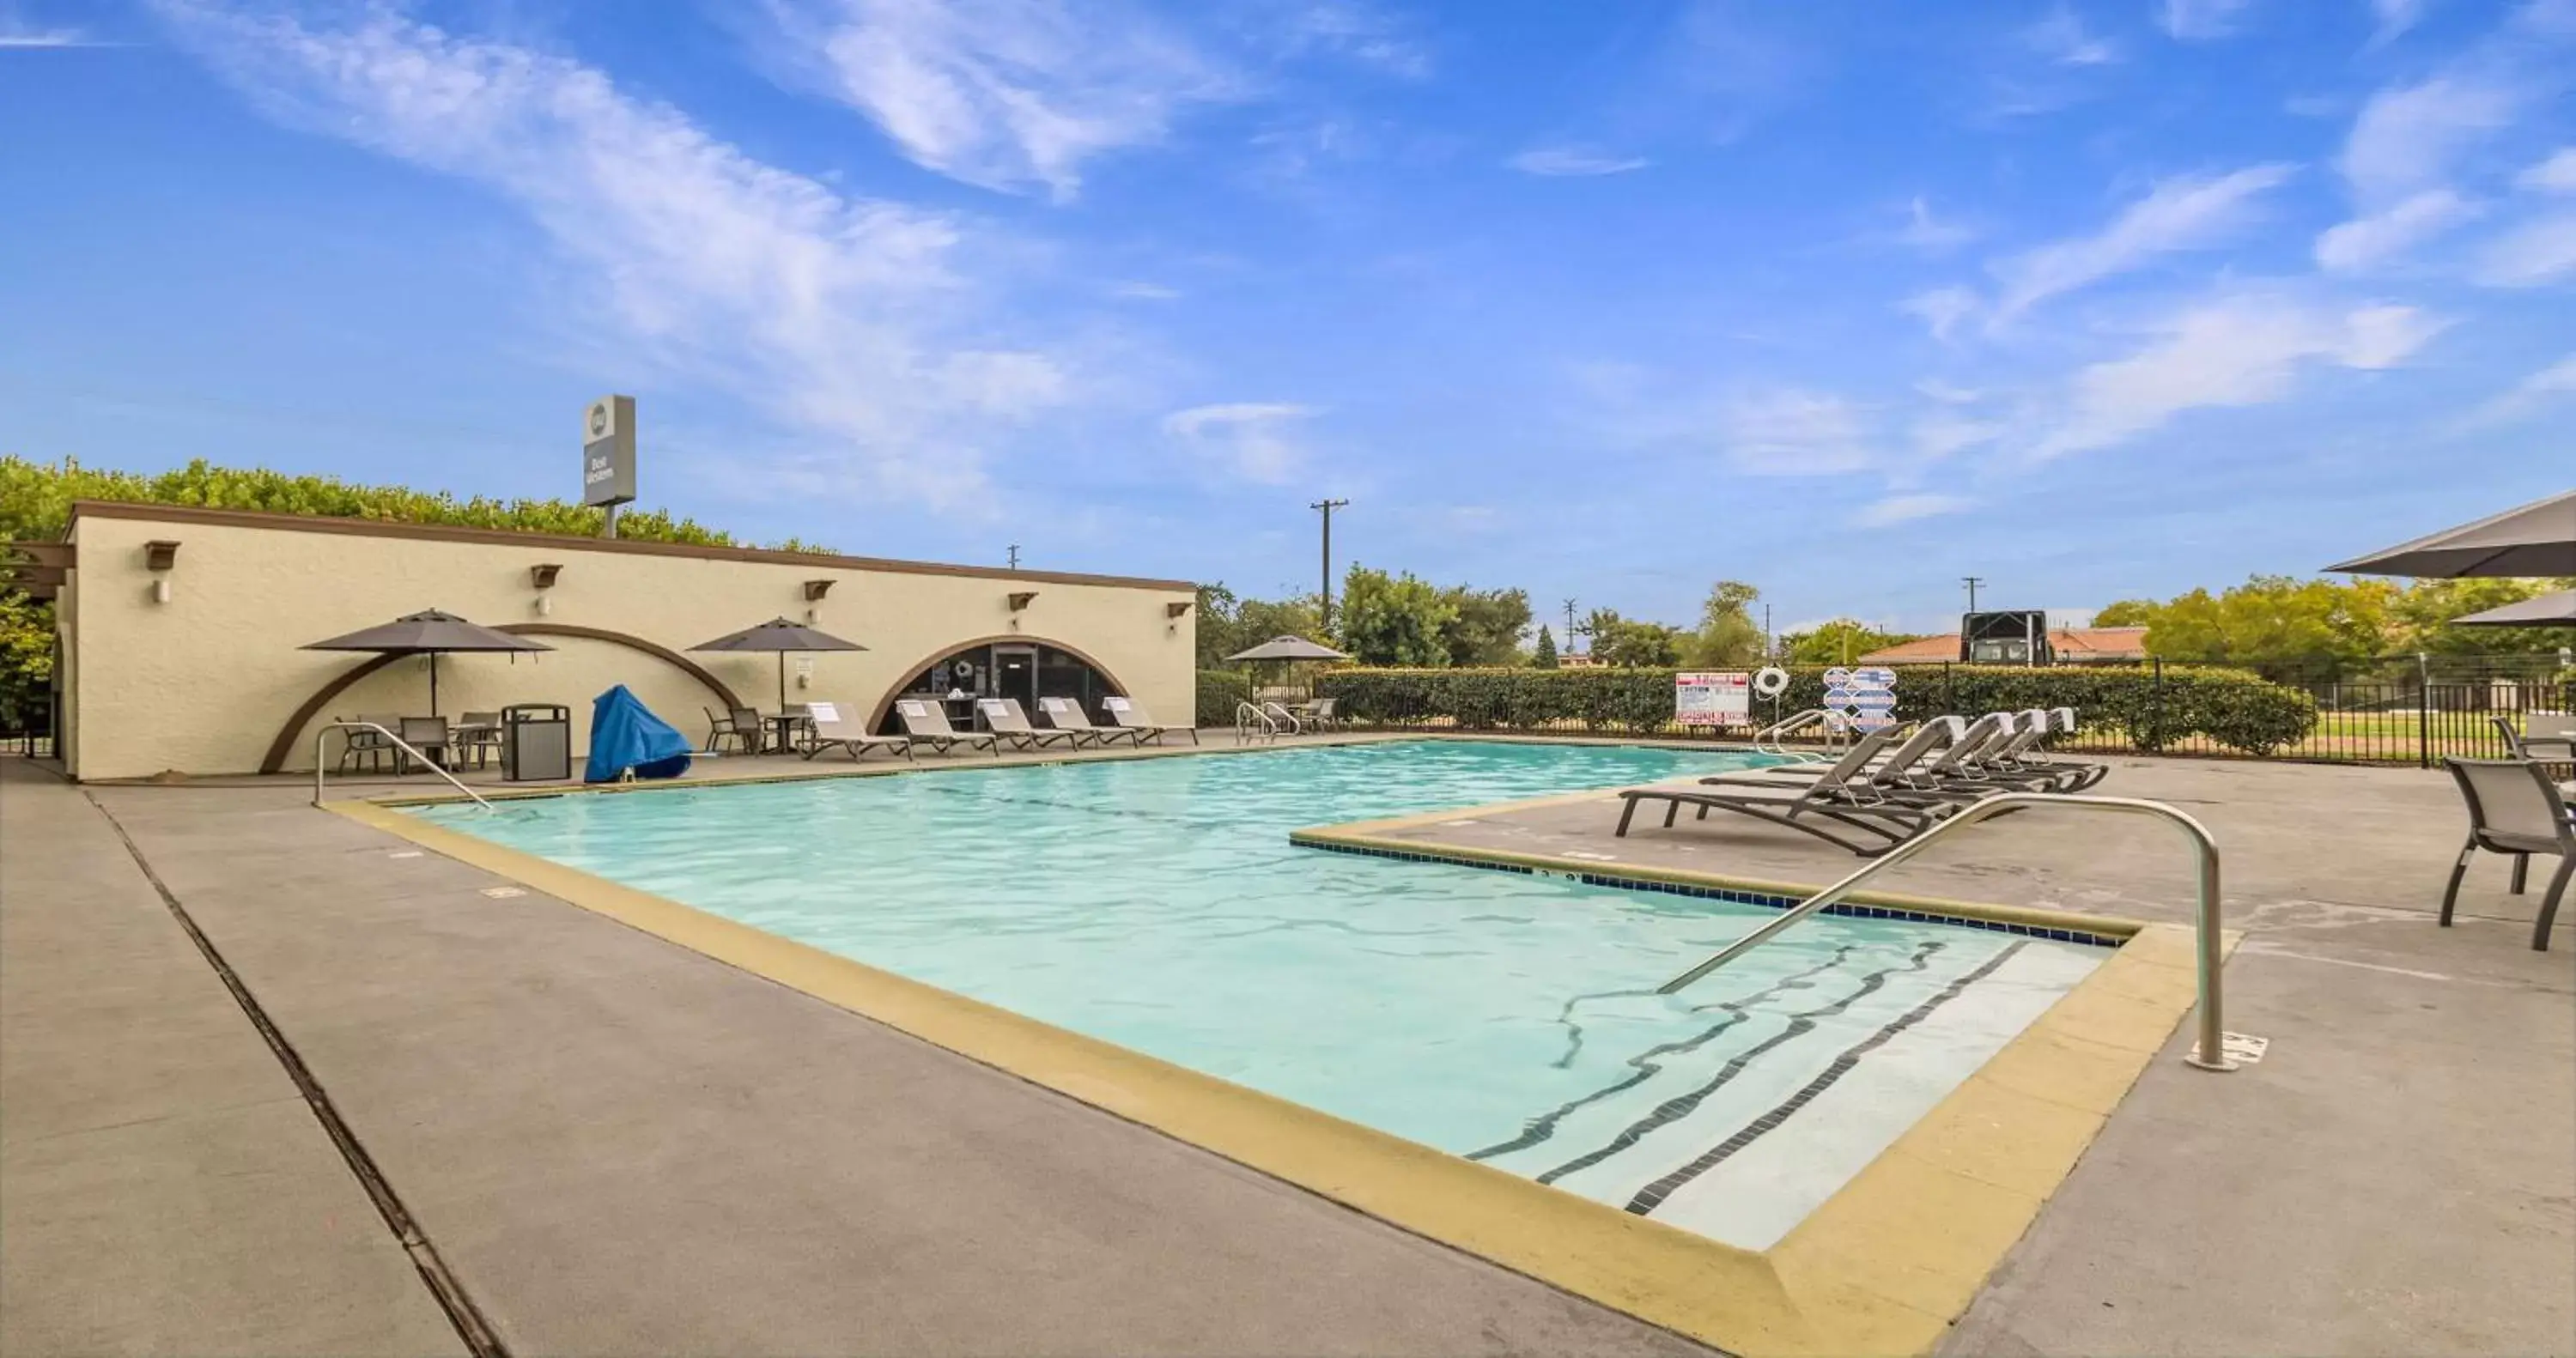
608 451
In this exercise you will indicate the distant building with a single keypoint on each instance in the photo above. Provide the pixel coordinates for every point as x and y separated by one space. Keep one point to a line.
1577 660
2074 646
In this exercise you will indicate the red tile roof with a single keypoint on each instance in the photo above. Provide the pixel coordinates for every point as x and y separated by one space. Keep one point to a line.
2070 643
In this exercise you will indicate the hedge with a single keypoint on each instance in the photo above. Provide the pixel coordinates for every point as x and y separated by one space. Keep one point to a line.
1219 691
2152 709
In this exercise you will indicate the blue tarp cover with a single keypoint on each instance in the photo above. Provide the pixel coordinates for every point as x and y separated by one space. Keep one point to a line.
625 735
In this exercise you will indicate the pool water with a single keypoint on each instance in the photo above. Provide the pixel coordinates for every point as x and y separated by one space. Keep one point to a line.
1157 904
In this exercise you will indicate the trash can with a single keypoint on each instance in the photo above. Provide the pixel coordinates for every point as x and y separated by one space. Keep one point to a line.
536 742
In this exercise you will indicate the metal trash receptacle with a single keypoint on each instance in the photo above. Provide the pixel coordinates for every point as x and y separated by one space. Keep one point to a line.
536 742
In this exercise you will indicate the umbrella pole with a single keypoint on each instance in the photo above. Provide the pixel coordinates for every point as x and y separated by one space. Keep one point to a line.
433 683
782 683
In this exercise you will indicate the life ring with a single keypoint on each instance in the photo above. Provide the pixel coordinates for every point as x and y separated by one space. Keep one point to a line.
1771 681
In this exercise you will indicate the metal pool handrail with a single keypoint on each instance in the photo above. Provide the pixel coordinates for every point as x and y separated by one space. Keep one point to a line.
1783 727
2211 1050
398 743
1245 714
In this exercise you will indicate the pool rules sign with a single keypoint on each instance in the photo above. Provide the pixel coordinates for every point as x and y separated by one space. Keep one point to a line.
1713 699
608 451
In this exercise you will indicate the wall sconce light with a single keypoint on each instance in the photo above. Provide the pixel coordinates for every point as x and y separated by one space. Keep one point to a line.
1021 600
159 556
542 578
816 589
1172 615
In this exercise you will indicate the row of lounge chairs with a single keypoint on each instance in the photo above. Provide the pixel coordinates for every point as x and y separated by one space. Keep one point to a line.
1883 791
926 726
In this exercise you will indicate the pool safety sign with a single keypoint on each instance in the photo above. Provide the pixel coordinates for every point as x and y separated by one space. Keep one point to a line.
1713 699
1865 699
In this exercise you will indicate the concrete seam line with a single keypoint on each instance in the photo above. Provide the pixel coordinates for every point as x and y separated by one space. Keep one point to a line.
444 1287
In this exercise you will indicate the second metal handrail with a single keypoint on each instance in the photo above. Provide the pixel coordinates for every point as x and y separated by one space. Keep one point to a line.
1245 714
2210 1053
398 743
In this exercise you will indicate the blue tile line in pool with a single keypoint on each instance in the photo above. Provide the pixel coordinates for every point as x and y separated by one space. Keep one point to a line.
1738 895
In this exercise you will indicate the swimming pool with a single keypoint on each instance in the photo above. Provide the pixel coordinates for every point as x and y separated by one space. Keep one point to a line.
1509 1018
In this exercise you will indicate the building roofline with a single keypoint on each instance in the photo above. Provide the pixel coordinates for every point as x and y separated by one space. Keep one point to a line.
502 537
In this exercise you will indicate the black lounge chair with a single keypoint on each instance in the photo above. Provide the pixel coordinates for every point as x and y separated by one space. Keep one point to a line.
1831 806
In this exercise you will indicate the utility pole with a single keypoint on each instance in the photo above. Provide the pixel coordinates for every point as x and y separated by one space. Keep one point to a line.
1766 631
1015 556
1328 506
1972 581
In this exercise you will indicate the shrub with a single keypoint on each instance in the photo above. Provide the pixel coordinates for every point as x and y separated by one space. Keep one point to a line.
1219 691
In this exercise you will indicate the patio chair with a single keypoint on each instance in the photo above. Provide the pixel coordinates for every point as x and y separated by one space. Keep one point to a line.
1003 717
927 724
2546 737
2515 809
368 745
746 720
1131 717
1318 714
478 734
830 732
1830 806
1066 714
1284 716
721 728
428 735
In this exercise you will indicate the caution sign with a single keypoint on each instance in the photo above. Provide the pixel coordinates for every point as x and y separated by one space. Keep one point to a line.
1713 698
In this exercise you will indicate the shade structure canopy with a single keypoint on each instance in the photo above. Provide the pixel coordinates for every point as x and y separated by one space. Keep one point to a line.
781 636
428 632
2556 609
2537 539
1289 648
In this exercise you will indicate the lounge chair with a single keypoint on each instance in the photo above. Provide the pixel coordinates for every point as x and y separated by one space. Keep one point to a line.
1066 715
1830 806
2515 809
928 725
1007 722
1889 774
829 731
1130 717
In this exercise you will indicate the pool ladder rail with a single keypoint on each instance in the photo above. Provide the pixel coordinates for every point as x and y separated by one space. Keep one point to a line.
1770 739
2209 1052
1266 721
391 739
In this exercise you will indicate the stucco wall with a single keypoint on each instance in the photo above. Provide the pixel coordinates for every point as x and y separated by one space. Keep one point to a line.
201 684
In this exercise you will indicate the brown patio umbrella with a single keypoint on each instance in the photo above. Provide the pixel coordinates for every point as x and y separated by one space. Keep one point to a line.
428 632
781 636
2537 539
2541 610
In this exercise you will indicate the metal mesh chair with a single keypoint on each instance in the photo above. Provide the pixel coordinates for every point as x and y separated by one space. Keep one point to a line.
2514 809
427 735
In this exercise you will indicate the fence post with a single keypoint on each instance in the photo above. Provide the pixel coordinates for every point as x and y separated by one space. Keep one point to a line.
2423 713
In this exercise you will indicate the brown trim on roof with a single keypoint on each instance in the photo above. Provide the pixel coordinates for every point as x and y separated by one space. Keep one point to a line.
495 537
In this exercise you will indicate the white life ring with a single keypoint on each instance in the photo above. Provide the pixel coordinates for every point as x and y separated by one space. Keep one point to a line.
1771 681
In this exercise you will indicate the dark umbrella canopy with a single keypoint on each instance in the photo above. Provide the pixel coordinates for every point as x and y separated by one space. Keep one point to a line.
427 632
2540 610
781 636
1289 648
2537 539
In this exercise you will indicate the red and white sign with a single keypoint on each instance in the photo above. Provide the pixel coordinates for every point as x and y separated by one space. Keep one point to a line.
1713 698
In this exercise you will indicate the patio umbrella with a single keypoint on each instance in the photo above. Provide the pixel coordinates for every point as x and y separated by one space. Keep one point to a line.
1289 648
2537 539
429 633
2540 610
781 636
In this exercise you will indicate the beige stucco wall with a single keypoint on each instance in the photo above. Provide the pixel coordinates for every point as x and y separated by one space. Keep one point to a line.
201 684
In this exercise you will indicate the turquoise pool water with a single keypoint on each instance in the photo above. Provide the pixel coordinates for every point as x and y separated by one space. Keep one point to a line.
1158 904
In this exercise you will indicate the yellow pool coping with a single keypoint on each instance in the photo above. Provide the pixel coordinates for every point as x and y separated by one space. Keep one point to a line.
1881 1267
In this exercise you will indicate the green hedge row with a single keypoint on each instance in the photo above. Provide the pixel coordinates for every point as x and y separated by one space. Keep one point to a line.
2152 710
1219 691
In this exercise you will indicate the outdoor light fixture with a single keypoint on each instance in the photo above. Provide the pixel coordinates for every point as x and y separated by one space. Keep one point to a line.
159 556
1021 600
542 578
816 589
1172 615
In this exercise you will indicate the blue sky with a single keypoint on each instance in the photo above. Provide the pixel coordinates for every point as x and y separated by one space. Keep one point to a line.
1849 299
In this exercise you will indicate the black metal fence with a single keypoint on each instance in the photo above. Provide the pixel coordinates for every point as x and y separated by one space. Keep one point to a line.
2392 709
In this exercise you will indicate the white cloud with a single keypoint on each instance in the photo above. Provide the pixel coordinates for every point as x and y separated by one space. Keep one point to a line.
1248 436
1925 231
844 318
2554 175
1559 161
2530 255
1896 509
41 38
2551 386
2395 17
1941 309
1948 393
2061 37
2179 214
2406 137
1943 433
2369 240
1357 32
1796 433
2242 350
1004 94
2199 20
1144 292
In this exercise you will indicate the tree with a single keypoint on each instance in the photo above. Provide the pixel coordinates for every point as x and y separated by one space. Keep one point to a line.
1487 627
1839 642
1394 620
1228 624
2420 618
2126 613
1648 645
26 654
1727 635
2275 622
1544 658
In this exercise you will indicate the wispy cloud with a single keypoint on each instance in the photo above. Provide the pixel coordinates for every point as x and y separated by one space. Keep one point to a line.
1896 509
2371 240
1249 438
1941 310
2407 135
1790 432
2544 390
2395 17
2188 213
2060 36
1927 232
2557 174
1137 290
845 319
2201 20
1357 32
1946 433
1003 94
2532 254
2241 350
16 35
1566 162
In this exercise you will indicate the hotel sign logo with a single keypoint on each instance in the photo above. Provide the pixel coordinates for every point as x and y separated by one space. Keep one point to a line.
608 451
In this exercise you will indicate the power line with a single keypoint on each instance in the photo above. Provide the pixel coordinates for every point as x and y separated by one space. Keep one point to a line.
1972 581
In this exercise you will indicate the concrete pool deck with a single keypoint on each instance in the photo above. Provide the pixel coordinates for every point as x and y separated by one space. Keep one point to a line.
616 1144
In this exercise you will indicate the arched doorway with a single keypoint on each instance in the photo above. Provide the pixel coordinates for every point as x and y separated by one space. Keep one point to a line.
1022 667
